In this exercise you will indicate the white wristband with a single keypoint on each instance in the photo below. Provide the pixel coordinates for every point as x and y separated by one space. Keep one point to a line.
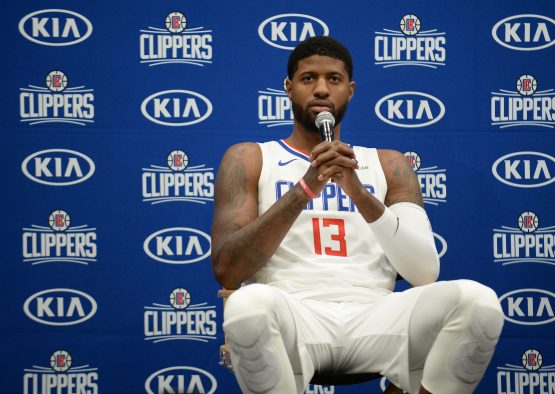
405 235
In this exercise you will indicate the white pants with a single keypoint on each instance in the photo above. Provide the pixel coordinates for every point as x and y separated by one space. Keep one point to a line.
441 336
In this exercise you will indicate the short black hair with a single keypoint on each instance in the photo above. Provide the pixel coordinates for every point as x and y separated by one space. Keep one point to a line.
322 46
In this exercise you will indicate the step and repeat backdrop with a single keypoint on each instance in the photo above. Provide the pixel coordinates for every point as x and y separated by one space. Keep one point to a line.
115 116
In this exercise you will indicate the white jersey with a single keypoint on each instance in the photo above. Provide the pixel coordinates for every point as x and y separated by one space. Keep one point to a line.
330 253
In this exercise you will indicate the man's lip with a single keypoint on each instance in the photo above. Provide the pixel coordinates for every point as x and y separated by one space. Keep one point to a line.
320 108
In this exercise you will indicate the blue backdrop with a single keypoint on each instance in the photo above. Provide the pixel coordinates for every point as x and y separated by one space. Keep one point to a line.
115 117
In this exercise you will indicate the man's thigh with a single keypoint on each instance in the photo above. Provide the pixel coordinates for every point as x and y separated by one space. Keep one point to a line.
377 334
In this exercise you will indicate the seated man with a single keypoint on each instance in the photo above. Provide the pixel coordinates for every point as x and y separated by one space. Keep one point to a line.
317 232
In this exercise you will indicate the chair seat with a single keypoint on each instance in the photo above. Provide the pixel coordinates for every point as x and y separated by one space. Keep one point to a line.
341 380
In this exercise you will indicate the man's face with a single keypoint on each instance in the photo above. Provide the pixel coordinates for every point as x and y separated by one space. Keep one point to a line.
321 83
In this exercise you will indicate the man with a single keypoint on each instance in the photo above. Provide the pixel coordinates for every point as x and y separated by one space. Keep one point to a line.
318 232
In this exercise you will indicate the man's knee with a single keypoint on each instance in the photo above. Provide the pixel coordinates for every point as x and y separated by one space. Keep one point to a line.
255 297
481 305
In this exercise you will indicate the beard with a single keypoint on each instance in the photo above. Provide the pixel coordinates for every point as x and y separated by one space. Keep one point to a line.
306 118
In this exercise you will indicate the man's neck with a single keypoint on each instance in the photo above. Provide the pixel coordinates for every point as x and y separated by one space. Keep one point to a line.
305 140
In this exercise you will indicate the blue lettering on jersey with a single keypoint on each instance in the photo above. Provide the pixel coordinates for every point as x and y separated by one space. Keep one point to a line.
331 192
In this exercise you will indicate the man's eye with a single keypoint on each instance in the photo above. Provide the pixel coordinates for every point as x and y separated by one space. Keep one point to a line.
307 78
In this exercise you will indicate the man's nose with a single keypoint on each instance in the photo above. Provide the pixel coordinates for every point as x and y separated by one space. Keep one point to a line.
321 88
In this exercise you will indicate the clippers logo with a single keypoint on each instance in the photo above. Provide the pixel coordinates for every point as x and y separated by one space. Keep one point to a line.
58 167
274 108
56 103
61 377
59 243
181 379
531 378
331 198
524 169
410 109
176 44
525 244
55 27
60 307
285 31
180 320
525 32
528 307
525 107
432 180
409 46
441 245
178 245
178 181
176 108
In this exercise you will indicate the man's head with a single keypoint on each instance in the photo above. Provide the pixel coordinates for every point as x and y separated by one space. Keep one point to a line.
322 46
319 79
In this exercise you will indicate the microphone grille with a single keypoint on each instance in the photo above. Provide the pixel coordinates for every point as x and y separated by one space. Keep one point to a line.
324 116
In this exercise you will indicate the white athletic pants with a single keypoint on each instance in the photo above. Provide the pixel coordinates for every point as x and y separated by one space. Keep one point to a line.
441 336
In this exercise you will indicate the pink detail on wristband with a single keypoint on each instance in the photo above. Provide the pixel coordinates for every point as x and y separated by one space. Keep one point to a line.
307 189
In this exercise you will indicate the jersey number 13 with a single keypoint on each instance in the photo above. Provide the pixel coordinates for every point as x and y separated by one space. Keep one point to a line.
335 245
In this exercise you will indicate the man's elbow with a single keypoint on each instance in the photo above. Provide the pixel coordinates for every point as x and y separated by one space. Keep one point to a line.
427 273
223 276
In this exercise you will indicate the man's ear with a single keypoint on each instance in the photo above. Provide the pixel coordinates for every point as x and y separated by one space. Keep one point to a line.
352 86
287 86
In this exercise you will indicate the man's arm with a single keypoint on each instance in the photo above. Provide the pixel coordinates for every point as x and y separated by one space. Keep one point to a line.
404 231
401 226
242 242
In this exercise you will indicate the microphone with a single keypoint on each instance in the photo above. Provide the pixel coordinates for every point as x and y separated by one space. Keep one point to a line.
325 122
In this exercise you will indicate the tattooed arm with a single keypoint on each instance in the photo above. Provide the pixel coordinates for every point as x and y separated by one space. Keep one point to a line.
242 242
402 184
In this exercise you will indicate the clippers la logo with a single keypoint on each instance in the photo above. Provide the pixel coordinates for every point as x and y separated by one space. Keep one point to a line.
409 46
530 377
61 377
178 181
410 109
56 103
180 320
60 307
178 245
285 31
58 167
527 106
526 244
432 180
176 43
59 242
525 32
525 169
528 307
274 108
55 27
181 379
176 108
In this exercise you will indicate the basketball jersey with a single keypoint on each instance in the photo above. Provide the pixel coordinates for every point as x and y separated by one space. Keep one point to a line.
330 252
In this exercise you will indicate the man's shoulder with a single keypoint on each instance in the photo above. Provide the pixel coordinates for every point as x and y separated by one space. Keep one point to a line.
389 154
392 162
243 148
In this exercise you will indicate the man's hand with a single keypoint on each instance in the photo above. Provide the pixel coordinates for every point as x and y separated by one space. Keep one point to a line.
336 161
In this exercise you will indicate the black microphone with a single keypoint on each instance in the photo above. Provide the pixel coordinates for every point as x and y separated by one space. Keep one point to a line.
325 122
